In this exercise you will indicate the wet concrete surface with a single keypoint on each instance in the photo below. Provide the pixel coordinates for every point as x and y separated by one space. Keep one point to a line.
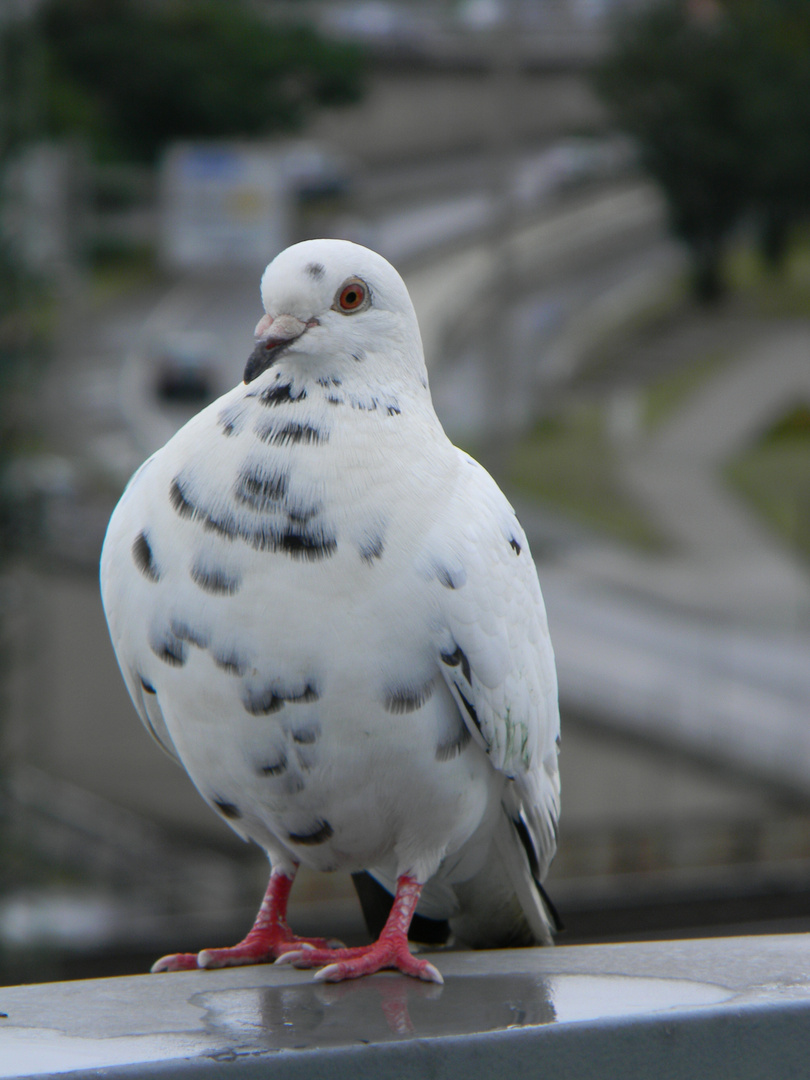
719 1008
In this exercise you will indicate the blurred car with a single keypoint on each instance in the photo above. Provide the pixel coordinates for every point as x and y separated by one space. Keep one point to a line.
312 171
185 368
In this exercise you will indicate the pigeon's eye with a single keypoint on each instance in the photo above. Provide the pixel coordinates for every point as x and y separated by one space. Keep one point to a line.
353 296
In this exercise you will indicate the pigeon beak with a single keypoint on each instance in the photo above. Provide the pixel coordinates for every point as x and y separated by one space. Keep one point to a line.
272 337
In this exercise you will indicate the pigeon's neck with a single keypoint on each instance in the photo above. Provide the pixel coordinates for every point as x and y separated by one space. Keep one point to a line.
344 389
340 422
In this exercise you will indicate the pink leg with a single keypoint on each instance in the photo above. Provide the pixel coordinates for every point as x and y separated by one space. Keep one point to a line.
269 937
390 950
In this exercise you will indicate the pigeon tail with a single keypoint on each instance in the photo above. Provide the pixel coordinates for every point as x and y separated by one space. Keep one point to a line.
503 905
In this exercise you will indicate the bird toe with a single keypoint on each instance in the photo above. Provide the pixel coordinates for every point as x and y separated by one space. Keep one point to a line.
176 962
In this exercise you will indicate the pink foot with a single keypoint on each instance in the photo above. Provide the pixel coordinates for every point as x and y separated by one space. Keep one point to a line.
269 938
258 949
389 951
365 960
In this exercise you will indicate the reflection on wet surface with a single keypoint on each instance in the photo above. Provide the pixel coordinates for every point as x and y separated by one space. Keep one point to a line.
256 1020
388 1007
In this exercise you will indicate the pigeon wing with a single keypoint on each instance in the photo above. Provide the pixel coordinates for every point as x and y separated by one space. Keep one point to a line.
495 652
122 589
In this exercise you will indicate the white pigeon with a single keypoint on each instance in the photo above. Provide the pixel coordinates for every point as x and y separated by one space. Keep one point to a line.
330 616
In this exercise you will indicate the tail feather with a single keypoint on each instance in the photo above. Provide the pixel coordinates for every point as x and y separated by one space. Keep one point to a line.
503 905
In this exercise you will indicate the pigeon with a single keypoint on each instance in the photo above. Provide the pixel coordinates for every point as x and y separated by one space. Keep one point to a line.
330 616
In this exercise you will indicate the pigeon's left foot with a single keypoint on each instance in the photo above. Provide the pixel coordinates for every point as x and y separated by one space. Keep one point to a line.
269 938
390 950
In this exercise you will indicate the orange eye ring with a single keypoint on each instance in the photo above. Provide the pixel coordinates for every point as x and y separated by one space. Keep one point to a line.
352 297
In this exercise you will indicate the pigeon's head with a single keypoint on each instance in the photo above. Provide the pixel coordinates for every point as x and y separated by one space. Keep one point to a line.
337 303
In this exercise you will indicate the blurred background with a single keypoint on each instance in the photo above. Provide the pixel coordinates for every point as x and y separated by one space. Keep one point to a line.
602 211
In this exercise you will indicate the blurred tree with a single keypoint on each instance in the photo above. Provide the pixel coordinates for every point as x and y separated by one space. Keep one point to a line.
134 74
717 96
671 83
22 296
774 44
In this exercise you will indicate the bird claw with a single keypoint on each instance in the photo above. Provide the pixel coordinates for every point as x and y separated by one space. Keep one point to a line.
235 956
176 962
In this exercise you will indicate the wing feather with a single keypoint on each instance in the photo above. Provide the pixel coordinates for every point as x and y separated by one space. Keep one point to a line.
495 651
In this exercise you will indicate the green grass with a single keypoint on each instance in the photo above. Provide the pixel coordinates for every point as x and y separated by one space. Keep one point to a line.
666 395
118 269
568 463
774 476
784 293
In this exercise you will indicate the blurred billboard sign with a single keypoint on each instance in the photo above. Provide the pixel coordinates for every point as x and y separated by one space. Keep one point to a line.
222 204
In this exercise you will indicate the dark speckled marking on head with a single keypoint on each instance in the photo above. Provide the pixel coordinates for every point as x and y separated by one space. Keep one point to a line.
143 557
227 809
319 834
315 270
215 580
513 543
405 699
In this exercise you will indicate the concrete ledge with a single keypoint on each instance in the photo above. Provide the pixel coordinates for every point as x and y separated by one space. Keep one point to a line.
732 1007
